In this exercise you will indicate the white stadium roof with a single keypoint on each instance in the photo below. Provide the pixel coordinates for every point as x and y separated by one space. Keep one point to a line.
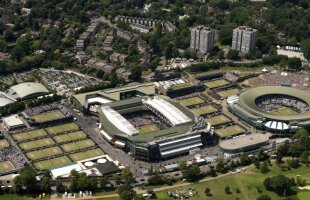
5 101
12 121
27 89
174 115
275 125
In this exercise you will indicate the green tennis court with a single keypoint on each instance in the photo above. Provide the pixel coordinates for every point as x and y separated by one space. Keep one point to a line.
204 110
86 154
148 128
77 145
48 116
216 83
6 166
191 101
228 93
229 131
219 119
52 163
4 143
29 135
34 155
62 128
36 144
69 136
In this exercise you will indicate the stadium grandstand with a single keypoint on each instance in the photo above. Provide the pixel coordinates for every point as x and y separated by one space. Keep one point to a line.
27 90
152 128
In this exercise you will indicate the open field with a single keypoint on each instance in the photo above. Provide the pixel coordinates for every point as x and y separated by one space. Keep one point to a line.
204 110
216 83
78 145
69 136
216 120
86 154
148 128
229 131
36 144
52 163
228 93
4 143
48 116
6 166
283 111
17 197
34 155
29 135
191 101
62 128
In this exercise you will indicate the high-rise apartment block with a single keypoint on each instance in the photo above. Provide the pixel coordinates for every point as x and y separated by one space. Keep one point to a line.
244 39
202 38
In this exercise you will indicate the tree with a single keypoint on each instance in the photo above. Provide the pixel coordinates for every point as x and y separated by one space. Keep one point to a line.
127 176
304 157
207 191
28 180
103 182
305 48
18 185
227 190
293 163
136 73
125 192
261 155
294 63
60 188
232 54
279 184
263 197
264 167
45 184
192 173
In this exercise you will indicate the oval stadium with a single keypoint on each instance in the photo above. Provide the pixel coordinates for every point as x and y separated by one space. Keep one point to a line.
273 108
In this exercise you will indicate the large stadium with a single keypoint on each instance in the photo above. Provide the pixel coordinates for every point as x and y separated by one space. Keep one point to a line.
152 128
273 108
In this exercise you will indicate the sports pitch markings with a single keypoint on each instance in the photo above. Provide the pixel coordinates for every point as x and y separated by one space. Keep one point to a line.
69 136
34 155
52 163
86 154
229 131
148 128
191 101
283 111
228 93
62 128
48 116
6 166
78 145
29 135
216 120
204 110
216 83
4 143
36 144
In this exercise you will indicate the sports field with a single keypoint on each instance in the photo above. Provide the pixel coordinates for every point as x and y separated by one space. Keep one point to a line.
148 128
34 155
6 166
191 101
69 136
62 128
29 135
219 119
86 154
52 163
228 93
204 110
77 145
229 131
283 111
4 143
48 116
36 144
216 83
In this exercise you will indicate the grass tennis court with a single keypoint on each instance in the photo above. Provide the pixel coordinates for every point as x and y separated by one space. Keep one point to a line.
229 131
34 155
191 101
228 93
69 136
148 128
29 135
216 83
86 154
4 143
52 163
204 110
219 119
36 144
78 145
48 116
6 166
283 111
62 128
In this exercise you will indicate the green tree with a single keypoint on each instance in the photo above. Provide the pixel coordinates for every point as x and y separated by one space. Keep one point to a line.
103 182
305 48
45 184
60 188
192 173
264 167
294 63
279 184
136 73
127 176
263 197
227 190
232 54
207 191
304 157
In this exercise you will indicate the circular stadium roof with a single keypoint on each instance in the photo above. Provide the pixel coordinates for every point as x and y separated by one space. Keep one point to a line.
247 100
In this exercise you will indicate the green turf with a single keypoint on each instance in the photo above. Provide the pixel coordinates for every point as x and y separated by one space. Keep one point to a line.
17 197
52 163
29 135
77 145
34 155
204 110
219 119
48 116
70 136
229 131
6 166
228 93
36 144
4 143
283 111
216 83
191 101
148 128
62 128
86 154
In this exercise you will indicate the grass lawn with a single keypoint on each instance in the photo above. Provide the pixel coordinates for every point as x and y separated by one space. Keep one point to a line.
70 136
29 135
6 166
48 116
62 128
228 93
283 111
36 144
78 145
216 120
191 101
16 197
86 154
4 143
204 110
148 128
216 83
52 163
229 131
34 155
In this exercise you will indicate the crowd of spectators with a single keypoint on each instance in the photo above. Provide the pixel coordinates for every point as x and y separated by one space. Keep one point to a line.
231 76
12 154
46 108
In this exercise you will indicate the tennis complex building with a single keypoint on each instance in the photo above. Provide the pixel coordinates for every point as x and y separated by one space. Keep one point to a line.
152 128
275 109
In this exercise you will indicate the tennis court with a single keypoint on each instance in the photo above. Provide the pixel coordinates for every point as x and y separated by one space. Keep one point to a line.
77 145
48 116
52 163
204 110
69 136
4 143
62 128
35 155
6 166
148 128
216 83
36 144
219 119
228 93
86 154
29 135
229 131
191 101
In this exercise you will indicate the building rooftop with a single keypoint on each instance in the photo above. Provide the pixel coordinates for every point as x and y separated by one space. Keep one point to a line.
12 121
27 89
244 141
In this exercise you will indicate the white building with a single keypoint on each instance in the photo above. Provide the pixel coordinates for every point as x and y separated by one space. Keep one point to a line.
13 122
202 39
244 39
